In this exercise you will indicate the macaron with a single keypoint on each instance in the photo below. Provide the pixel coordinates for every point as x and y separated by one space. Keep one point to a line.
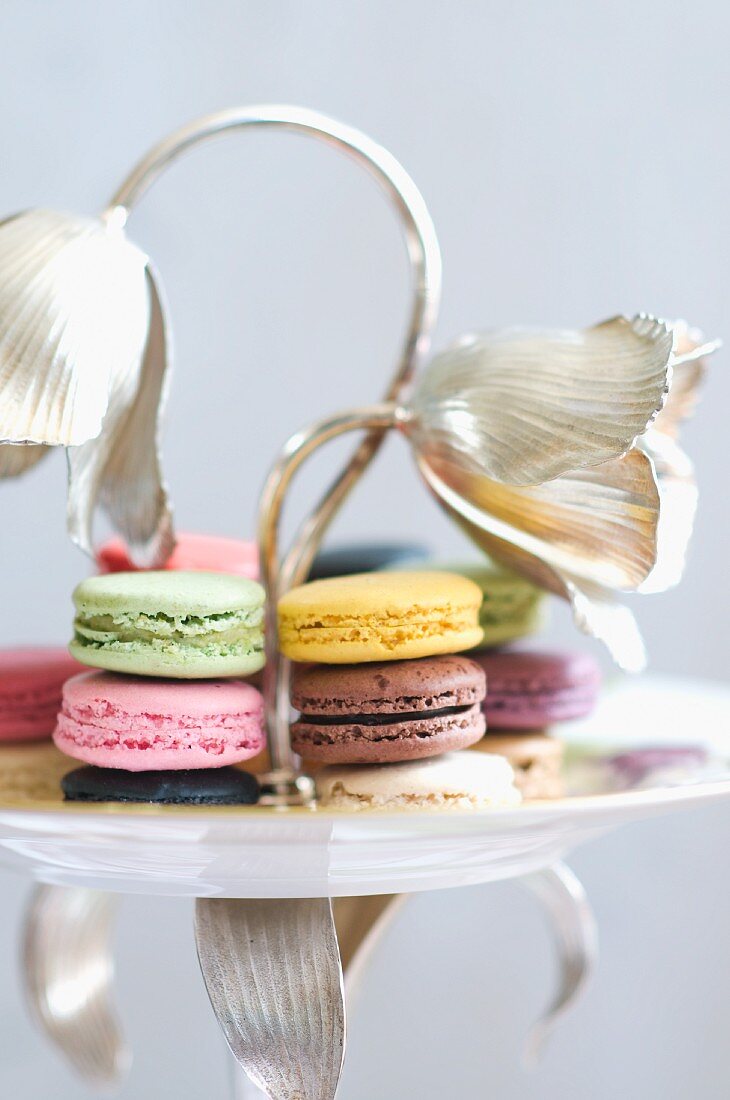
193 552
215 787
185 625
455 781
535 758
530 690
31 679
379 617
512 607
158 725
387 711
366 557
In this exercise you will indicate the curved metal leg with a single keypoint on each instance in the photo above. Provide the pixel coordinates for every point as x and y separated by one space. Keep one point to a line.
273 974
68 976
574 930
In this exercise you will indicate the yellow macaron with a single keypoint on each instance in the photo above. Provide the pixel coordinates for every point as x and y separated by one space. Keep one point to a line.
379 617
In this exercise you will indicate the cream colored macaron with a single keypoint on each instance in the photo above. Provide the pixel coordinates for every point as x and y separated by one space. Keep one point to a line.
536 758
454 781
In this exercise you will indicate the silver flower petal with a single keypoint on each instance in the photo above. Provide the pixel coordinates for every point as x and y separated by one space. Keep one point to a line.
16 458
525 407
689 365
623 513
599 523
74 311
120 470
678 495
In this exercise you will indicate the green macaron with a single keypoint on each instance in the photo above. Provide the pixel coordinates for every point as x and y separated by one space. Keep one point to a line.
511 608
178 624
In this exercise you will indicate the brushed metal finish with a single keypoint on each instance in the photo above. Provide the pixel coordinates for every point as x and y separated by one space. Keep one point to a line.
76 359
68 974
122 469
273 974
522 407
75 310
575 934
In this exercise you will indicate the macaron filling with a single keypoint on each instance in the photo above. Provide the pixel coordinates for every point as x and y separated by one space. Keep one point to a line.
231 631
380 719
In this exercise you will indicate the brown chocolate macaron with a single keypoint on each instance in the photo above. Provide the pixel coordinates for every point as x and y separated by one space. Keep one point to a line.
383 712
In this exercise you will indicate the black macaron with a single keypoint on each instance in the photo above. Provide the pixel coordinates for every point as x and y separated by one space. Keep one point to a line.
193 787
365 557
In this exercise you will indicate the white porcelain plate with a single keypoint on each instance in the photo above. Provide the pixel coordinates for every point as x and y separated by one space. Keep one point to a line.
654 745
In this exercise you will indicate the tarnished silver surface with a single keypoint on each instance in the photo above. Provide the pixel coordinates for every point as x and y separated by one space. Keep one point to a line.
575 934
273 974
68 974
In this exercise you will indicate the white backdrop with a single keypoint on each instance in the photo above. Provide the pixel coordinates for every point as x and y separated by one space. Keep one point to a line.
574 157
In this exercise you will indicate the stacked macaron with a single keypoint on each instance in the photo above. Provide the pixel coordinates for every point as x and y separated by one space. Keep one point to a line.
528 690
166 711
31 680
380 682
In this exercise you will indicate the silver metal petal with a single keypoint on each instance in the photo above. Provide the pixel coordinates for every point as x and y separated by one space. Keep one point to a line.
599 523
74 311
574 930
596 610
523 407
678 495
68 972
689 366
16 458
273 974
121 469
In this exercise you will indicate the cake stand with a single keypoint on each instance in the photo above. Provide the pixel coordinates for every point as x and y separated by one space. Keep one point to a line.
264 853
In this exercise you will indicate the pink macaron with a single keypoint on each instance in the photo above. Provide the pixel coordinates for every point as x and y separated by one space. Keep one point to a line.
31 679
206 553
144 724
528 690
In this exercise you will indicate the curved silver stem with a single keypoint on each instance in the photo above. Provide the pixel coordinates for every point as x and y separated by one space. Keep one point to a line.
573 926
425 259
376 419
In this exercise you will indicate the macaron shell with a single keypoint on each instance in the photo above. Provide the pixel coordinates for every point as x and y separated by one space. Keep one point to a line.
168 660
31 679
454 781
414 739
388 687
379 617
211 787
155 725
536 760
193 552
531 690
186 625
512 607
365 557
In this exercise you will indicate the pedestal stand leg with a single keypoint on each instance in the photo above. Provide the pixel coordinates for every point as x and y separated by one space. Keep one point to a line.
68 975
573 926
273 974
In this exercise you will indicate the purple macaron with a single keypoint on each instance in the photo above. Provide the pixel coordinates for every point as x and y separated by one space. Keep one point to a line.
529 690
383 712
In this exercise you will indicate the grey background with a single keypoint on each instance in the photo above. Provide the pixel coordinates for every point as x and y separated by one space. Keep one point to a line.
574 157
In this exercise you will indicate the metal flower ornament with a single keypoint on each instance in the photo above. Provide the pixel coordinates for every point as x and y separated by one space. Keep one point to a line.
555 451
83 361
